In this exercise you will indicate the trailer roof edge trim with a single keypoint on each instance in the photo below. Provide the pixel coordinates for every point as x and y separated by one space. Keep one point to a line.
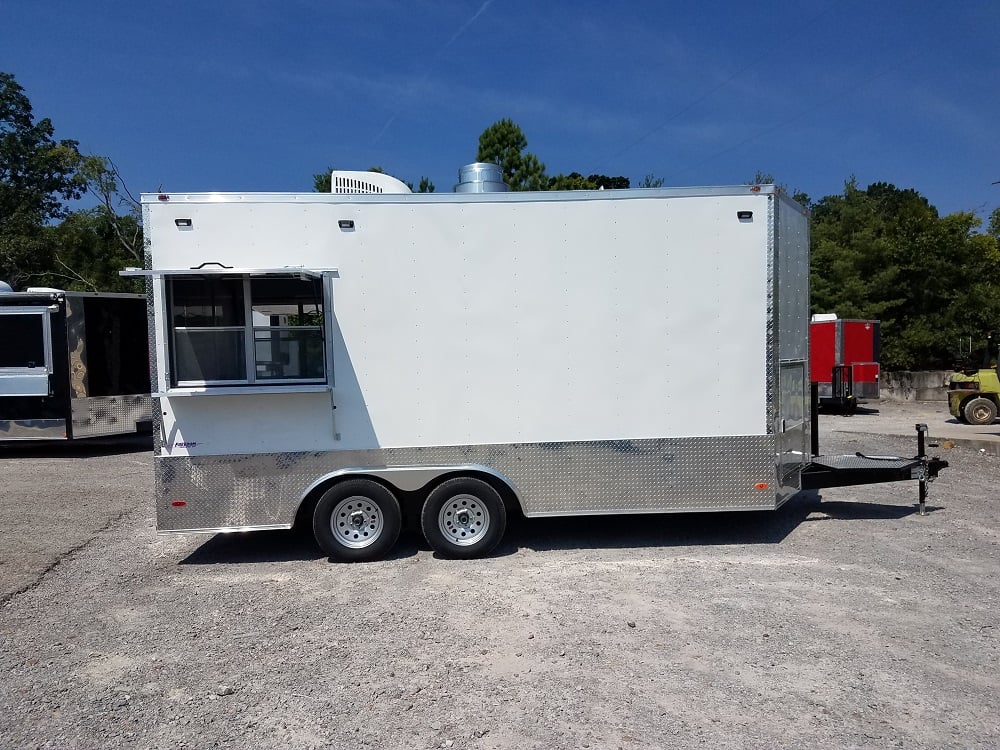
223 271
56 296
512 197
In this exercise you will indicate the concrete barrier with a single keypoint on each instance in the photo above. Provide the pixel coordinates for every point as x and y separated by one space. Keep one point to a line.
907 385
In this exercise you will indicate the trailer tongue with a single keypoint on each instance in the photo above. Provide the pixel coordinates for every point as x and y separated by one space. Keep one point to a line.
858 469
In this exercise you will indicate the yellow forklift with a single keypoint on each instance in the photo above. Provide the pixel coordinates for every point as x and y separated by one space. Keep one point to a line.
974 392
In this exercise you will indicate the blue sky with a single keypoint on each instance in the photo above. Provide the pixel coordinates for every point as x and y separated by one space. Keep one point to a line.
258 95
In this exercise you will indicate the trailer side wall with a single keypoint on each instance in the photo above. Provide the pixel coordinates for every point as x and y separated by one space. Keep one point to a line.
460 323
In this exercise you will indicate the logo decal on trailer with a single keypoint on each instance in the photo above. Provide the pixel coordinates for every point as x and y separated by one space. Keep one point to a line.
186 444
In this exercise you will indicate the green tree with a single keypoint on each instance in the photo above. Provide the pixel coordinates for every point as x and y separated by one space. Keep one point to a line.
90 246
994 224
761 178
322 181
37 175
88 252
503 143
117 205
571 181
609 183
576 181
885 253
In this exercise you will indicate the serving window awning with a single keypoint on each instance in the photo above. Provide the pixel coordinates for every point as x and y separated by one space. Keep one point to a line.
215 269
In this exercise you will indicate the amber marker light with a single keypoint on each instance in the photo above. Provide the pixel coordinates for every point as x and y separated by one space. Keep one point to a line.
761 486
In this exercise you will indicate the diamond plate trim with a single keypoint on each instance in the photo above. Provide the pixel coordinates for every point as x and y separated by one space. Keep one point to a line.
865 462
551 479
147 260
109 415
772 313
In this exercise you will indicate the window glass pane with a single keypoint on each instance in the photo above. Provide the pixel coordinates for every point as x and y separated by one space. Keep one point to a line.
290 354
210 355
207 302
22 342
286 302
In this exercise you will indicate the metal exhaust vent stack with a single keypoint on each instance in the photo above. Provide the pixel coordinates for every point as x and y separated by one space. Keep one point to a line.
481 177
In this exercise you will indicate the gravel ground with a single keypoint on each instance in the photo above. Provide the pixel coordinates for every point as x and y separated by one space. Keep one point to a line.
851 622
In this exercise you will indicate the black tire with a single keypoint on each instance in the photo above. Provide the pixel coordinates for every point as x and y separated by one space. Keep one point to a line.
979 410
463 518
357 520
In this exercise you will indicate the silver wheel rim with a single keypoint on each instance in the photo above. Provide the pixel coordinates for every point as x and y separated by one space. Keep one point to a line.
356 522
980 413
463 520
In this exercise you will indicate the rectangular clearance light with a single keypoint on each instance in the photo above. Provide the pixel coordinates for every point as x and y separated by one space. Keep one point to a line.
183 223
346 223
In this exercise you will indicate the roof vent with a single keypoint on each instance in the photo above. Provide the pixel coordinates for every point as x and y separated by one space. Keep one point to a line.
481 177
365 182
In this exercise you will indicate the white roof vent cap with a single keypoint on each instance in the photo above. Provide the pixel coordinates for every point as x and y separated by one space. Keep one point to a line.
365 182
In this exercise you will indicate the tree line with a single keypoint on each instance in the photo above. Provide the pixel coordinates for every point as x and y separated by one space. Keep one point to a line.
42 241
878 252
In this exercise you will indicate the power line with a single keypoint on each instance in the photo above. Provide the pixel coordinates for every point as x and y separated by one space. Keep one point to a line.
755 60
809 110
461 30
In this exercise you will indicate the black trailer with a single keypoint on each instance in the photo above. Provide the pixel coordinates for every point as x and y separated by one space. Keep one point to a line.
73 365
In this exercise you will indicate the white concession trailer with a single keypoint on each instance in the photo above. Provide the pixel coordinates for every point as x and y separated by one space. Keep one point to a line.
354 360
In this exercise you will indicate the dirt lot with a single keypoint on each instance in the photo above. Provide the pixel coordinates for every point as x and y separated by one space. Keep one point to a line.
851 622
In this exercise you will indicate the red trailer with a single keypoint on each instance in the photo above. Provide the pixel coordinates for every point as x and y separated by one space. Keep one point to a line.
843 360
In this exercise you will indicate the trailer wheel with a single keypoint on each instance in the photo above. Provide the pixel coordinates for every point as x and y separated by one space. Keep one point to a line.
979 411
463 518
357 520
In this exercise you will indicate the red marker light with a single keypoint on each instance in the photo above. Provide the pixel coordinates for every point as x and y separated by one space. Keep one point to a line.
179 503
760 486
162 197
